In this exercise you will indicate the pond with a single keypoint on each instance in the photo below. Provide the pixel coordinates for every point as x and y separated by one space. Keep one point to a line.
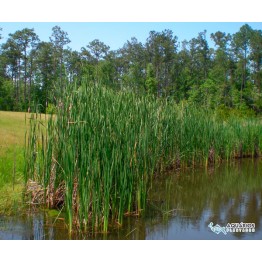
181 205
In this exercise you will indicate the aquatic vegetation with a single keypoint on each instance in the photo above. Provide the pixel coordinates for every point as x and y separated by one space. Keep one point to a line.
98 154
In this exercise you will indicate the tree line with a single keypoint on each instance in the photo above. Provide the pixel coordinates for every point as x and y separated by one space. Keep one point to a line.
227 76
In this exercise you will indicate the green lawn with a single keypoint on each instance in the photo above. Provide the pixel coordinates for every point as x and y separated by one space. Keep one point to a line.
12 130
12 137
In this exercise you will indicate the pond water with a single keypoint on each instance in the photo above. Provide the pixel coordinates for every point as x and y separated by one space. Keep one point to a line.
180 206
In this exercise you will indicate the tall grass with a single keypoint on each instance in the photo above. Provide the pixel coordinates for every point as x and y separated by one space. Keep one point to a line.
102 148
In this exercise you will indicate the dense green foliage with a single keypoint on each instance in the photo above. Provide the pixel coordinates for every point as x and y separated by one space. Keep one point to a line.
227 76
104 146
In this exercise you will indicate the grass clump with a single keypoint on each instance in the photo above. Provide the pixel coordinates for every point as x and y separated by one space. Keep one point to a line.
97 155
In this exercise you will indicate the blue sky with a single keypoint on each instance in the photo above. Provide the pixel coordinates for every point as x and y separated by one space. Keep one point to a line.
115 34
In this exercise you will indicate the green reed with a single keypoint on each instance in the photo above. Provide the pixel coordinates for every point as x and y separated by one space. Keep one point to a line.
103 147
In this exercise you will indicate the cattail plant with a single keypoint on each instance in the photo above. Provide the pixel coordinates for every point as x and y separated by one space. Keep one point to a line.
97 155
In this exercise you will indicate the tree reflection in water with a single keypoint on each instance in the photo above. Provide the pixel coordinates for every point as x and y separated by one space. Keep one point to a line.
228 194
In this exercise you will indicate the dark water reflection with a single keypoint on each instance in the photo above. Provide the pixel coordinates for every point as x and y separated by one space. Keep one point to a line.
180 206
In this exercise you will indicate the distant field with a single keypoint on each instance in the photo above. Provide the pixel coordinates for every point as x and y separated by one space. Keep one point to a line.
12 130
13 127
12 137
